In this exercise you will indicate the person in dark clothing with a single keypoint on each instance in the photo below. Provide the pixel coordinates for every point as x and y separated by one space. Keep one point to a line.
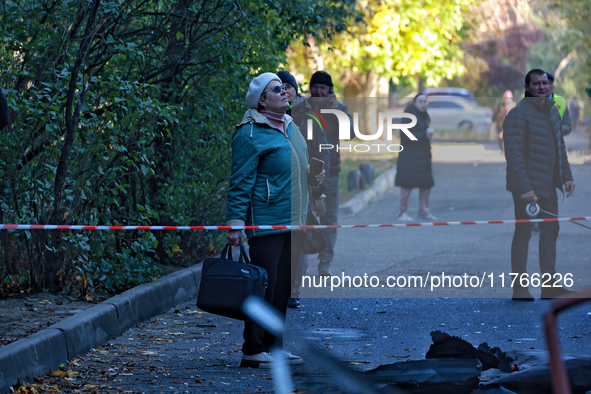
301 111
292 88
323 97
298 111
3 111
536 166
413 169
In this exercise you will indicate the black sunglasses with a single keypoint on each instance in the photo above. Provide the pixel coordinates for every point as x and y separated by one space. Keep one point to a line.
276 89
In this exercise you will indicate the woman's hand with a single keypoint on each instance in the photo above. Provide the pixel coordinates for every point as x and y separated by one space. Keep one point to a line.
234 237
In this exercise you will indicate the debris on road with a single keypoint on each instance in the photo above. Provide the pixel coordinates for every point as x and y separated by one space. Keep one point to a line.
447 346
444 375
534 374
454 366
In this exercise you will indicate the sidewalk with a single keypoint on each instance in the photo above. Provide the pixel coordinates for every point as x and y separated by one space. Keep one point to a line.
30 357
181 350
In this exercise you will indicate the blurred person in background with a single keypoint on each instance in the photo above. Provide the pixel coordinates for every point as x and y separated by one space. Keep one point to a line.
560 103
575 113
413 169
500 112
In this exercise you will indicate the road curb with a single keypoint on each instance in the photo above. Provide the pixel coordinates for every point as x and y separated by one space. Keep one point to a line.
380 185
34 355
47 349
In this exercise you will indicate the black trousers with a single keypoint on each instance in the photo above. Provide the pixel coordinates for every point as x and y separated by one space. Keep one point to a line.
279 255
548 236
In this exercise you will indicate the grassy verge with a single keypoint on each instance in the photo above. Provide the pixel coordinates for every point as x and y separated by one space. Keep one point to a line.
351 162
455 135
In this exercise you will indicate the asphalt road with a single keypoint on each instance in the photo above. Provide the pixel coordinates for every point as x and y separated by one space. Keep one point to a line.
463 192
188 351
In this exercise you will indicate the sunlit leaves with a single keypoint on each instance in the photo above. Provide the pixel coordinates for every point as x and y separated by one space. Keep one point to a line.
395 39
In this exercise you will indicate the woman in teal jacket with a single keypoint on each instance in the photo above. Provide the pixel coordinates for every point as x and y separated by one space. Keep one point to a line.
268 187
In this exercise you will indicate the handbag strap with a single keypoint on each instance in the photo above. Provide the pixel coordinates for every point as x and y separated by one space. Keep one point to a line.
243 255
227 253
311 202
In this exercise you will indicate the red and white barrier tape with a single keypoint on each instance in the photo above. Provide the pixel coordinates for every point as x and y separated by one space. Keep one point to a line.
184 228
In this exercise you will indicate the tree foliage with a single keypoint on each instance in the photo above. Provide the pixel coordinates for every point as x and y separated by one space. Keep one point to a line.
497 50
396 39
565 49
122 112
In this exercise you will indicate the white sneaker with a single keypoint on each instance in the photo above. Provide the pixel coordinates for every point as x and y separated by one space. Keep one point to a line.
405 218
265 360
260 360
292 359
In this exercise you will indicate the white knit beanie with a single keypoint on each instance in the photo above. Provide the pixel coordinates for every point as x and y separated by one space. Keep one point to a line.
256 87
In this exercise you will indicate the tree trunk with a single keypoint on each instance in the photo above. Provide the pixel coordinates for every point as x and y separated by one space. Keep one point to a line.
372 97
74 103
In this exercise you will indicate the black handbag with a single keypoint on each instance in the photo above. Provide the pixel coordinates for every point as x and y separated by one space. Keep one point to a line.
314 239
226 283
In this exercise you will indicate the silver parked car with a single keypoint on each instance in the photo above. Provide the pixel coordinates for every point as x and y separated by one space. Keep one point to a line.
459 92
452 113
430 92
